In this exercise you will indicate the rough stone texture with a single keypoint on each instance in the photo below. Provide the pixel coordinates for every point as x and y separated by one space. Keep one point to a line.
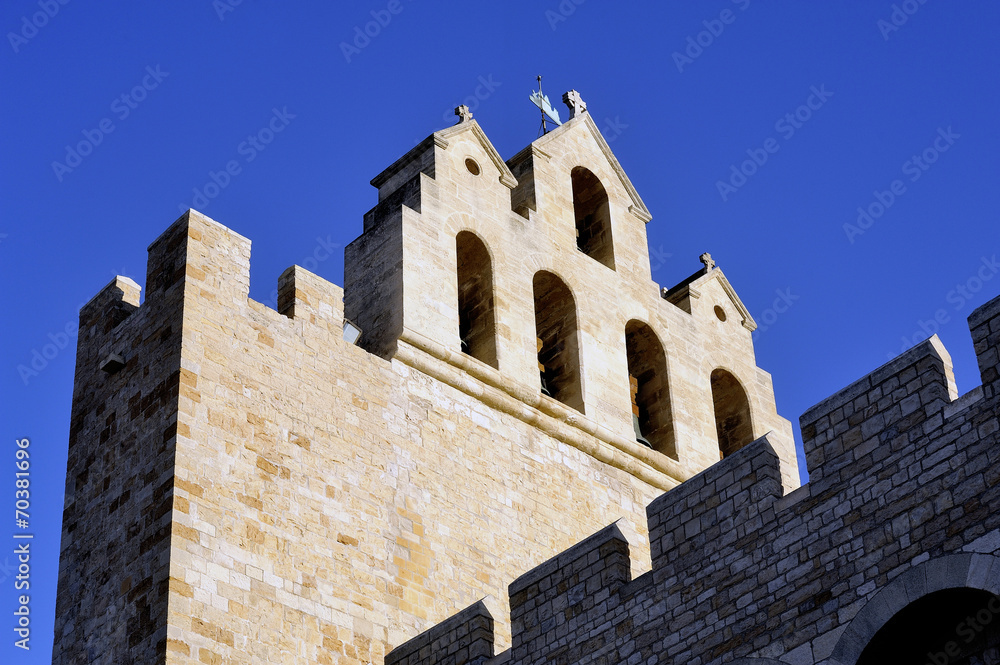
903 502
249 488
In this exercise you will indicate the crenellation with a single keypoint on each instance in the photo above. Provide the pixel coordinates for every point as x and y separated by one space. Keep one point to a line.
464 639
742 574
561 596
244 485
985 325
900 396
117 301
307 297
705 513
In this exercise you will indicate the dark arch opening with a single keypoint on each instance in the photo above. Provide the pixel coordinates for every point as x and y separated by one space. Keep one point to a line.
652 417
593 217
557 340
732 413
476 319
949 627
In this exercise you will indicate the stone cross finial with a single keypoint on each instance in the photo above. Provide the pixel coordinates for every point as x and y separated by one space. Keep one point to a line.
706 258
463 113
575 103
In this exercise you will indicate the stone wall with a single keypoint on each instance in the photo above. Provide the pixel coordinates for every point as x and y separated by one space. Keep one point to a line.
113 566
297 495
901 516
245 486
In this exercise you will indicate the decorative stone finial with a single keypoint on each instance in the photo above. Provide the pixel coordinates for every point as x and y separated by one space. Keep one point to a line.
575 103
706 258
463 113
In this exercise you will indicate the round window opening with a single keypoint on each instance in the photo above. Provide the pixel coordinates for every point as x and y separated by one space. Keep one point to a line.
473 167
720 313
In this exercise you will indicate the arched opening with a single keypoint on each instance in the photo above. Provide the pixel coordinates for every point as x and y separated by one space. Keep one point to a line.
732 413
953 626
557 340
652 418
476 319
593 217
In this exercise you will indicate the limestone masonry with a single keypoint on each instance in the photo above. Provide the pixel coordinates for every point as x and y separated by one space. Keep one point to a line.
247 485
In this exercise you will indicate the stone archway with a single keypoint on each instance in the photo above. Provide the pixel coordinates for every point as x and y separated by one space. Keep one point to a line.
940 593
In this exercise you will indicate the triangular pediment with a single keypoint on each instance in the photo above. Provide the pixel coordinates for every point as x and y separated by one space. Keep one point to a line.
507 178
693 286
442 139
638 208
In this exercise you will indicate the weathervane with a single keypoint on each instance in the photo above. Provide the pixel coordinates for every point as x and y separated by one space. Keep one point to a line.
542 102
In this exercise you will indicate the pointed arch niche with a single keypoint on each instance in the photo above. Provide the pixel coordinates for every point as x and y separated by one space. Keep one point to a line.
476 316
652 415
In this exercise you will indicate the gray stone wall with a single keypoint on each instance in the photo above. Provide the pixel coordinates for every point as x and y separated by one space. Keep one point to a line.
903 502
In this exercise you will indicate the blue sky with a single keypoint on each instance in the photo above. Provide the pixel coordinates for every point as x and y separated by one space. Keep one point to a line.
837 159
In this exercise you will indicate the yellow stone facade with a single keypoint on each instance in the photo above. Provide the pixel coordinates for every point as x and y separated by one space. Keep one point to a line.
267 492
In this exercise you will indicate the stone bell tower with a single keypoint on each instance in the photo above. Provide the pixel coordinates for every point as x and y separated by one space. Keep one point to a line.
244 484
532 276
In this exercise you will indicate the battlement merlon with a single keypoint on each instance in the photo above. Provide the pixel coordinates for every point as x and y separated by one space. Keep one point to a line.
466 637
113 304
113 324
560 597
99 318
304 296
709 512
199 252
914 388
984 323
871 412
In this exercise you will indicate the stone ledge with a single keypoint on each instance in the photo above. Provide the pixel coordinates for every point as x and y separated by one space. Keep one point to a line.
562 423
